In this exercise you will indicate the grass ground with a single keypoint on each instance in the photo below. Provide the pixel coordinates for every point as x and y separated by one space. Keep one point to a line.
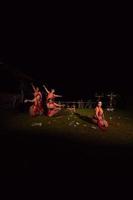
66 147
77 126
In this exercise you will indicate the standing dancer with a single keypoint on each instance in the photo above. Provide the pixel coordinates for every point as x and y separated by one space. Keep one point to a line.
99 117
36 108
36 91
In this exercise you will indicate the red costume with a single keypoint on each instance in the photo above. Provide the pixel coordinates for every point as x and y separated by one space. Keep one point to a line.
53 108
99 117
51 95
37 107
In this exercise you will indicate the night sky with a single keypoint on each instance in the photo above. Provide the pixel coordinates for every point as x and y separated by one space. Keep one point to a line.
76 56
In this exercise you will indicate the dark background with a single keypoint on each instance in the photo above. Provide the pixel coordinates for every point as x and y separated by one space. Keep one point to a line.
77 55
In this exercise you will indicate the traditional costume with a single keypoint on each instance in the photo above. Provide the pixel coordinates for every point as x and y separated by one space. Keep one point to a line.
53 108
37 107
99 118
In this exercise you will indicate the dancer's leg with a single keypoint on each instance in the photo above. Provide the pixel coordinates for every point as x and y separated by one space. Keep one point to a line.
53 112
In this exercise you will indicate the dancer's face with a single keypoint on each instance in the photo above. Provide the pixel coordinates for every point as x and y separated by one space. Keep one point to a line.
99 104
37 89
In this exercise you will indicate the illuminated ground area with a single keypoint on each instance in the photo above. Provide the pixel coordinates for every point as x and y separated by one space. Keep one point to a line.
66 147
76 126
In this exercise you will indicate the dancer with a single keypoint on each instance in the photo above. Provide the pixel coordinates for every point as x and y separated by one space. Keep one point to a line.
53 108
36 91
51 94
99 117
37 107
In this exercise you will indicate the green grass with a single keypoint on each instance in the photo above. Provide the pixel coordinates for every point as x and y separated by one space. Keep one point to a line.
120 129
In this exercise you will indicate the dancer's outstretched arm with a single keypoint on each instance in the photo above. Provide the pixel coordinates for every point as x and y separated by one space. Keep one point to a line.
56 95
27 100
59 105
45 88
33 87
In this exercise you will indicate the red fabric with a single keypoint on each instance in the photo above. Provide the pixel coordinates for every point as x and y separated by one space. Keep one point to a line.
52 112
100 125
100 122
37 107
52 109
50 96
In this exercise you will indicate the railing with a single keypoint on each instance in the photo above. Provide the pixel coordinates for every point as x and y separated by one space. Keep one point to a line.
78 104
82 104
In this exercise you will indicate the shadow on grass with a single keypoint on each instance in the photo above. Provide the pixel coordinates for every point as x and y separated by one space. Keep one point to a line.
84 118
54 155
